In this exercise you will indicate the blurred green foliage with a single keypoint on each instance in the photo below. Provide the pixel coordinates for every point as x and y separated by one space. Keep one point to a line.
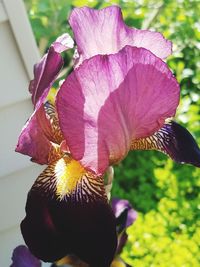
165 194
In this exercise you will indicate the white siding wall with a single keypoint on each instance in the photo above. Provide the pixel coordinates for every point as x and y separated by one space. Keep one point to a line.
18 53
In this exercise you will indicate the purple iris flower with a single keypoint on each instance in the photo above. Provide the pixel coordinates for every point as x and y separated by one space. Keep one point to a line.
119 97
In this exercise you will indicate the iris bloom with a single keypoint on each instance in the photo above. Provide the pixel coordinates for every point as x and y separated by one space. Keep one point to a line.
119 97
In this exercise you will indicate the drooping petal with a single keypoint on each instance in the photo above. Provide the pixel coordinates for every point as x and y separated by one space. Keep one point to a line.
104 32
67 213
110 100
22 257
173 140
46 71
39 231
40 136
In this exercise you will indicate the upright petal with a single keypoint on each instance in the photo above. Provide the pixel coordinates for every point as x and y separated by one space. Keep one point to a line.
42 130
104 32
46 71
110 100
67 213
173 140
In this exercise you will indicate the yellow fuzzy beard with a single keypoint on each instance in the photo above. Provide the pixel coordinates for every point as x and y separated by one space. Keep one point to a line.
68 173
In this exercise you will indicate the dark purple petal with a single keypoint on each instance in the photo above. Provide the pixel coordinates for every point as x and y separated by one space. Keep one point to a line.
39 231
46 71
173 140
22 257
75 219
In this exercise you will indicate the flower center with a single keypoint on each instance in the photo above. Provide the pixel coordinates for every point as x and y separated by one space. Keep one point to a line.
68 172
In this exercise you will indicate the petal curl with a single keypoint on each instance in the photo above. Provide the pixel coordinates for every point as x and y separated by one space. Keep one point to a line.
67 213
40 136
110 100
104 32
46 71
173 140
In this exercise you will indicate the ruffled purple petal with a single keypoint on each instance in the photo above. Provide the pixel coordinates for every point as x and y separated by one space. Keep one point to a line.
22 257
110 100
46 71
104 32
